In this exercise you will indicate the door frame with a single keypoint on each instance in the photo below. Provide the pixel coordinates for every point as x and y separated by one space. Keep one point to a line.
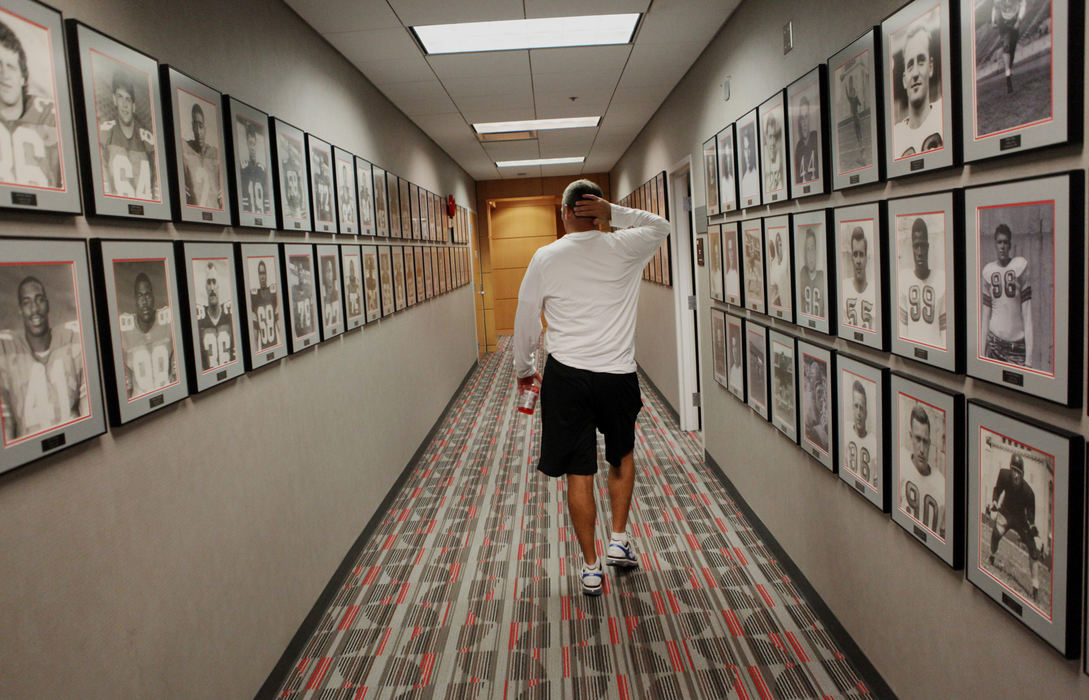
688 375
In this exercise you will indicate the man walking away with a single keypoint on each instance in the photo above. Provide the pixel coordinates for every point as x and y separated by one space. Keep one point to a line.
587 284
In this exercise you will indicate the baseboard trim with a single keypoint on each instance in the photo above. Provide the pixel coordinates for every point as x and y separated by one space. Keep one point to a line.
661 397
283 667
877 685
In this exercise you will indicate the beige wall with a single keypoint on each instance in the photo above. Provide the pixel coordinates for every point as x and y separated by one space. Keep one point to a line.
175 557
928 631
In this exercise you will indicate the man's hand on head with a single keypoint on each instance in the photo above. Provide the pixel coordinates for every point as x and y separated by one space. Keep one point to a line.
593 206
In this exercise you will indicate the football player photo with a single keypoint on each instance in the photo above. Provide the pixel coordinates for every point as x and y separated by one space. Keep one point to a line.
718 345
410 276
251 144
859 416
1013 78
779 268
921 463
757 368
783 389
127 146
1015 248
351 260
732 269
321 184
714 254
753 248
406 208
811 283
201 161
381 202
920 279
385 278
852 108
805 122
727 184
364 183
292 180
266 321
710 174
772 135
916 63
146 321
430 288
330 296
858 288
302 299
394 195
397 258
1015 522
370 283
212 283
735 371
815 399
30 135
43 368
750 163
423 292
346 206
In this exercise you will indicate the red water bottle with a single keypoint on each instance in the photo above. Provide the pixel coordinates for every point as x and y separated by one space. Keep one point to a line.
527 399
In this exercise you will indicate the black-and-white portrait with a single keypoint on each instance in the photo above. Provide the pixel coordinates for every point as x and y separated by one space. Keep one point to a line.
346 195
381 203
406 208
735 357
200 151
757 363
252 157
263 285
213 299
1015 246
718 345
773 142
750 160
410 276
1013 65
784 413
779 267
351 260
397 258
423 291
860 418
330 296
731 264
145 319
806 151
365 186
1015 517
289 151
753 248
714 259
710 174
921 462
394 195
43 367
810 245
371 291
851 88
918 124
302 299
816 401
727 165
858 293
128 141
920 279
321 184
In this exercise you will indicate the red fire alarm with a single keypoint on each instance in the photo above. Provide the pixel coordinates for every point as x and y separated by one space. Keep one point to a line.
451 206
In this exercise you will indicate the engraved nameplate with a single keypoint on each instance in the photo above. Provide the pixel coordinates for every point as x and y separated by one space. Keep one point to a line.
298 225
812 324
258 222
917 164
920 533
921 354
306 342
1010 142
859 486
858 336
1012 604
136 210
156 401
1013 378
52 443
24 199
774 197
855 179
805 190
206 215
221 376
270 357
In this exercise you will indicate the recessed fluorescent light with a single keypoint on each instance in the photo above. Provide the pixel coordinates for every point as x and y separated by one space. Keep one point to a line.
535 124
544 33
539 161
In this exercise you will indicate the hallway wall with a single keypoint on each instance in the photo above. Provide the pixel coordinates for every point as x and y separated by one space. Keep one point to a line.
176 557
926 629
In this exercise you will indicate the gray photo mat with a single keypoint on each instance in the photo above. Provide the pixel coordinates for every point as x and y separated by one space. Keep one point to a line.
807 178
752 263
293 205
750 183
210 101
330 301
42 252
901 216
852 448
320 184
756 367
735 327
347 193
780 267
782 366
301 302
856 135
816 311
852 323
257 321
263 215
774 137
817 415
193 252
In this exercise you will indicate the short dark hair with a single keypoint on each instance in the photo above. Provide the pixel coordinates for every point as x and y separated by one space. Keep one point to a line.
918 415
30 279
1004 230
919 226
573 194
859 235
122 81
9 40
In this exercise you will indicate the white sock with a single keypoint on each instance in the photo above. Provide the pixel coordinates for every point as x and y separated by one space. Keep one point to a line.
595 565
619 538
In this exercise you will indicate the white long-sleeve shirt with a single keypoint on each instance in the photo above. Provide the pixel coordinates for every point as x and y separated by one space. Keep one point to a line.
588 285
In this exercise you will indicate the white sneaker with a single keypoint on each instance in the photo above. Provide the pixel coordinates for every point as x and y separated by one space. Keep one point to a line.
592 580
621 554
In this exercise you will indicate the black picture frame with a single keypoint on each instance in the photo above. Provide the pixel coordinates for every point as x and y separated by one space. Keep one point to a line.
371 284
52 184
861 313
381 203
814 270
857 112
756 367
319 169
351 262
774 137
735 356
862 391
710 175
193 115
732 285
385 280
364 181
397 259
406 208
250 173
1051 462
147 369
779 266
818 411
926 465
52 279
750 183
290 177
393 196
265 339
330 290
752 249
714 262
807 102
727 173
212 332
347 192
299 284
718 347
1023 211
132 182
410 275
782 352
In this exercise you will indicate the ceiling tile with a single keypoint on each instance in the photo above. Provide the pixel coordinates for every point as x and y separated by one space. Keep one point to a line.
445 125
631 115
512 150
374 44
660 62
693 21
413 12
574 8
572 142
515 86
416 90
490 105
588 82
574 61
345 15
572 170
416 106
519 173
487 113
558 104
471 65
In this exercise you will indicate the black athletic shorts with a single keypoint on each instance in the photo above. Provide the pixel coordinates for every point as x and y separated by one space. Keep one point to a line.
575 403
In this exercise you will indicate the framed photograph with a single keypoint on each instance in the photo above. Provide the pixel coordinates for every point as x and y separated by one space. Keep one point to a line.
817 402
927 465
290 177
1024 297
714 261
756 367
39 173
750 186
420 273
347 194
394 194
863 415
784 385
251 179
752 248
813 301
731 245
302 297
780 267
859 273
381 203
46 405
364 182
440 262
421 199
140 317
414 211
805 111
261 275
857 133
718 345
351 262
1017 93
322 192
727 174
215 334
410 275
371 294
400 300
919 128
124 155
429 272
773 149
385 279
662 190
331 295
1025 489
406 208
710 175
667 263
434 215
200 193
735 357
923 274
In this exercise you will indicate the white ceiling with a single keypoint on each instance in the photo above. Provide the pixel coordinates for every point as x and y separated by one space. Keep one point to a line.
445 94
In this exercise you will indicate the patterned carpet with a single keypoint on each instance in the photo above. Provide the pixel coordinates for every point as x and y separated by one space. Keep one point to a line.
468 587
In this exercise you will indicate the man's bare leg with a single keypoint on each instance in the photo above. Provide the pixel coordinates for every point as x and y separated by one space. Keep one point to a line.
621 485
580 504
